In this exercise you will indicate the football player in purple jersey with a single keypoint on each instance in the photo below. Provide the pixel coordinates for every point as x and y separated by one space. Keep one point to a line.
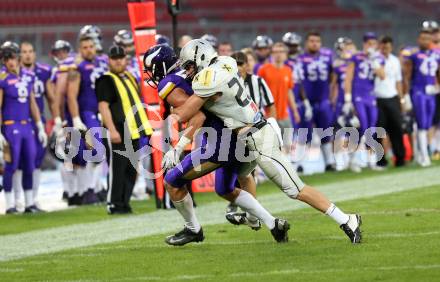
124 39
421 81
316 67
43 89
262 46
83 108
344 49
361 71
17 137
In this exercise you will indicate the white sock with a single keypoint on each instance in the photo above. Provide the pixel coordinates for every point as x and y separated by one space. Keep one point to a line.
97 173
28 198
437 140
422 136
186 209
372 160
340 160
249 204
17 186
69 181
339 216
9 199
82 180
327 152
36 175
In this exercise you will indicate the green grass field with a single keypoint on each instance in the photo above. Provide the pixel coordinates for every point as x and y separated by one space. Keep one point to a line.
401 241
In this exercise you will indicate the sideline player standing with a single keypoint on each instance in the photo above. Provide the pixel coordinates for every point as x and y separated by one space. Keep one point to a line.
262 46
18 105
83 107
43 88
421 81
362 69
217 88
316 67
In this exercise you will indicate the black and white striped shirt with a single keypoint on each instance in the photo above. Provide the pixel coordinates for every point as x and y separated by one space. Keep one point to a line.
259 91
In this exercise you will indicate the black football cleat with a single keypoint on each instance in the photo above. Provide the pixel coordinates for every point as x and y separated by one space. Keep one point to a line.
239 218
33 209
330 167
12 211
184 237
279 232
353 228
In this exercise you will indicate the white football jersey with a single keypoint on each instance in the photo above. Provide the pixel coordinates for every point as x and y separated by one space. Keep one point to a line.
233 104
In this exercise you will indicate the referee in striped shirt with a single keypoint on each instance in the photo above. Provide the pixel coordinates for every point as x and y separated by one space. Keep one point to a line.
256 86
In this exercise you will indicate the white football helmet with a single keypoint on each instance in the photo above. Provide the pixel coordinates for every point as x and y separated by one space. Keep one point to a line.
197 52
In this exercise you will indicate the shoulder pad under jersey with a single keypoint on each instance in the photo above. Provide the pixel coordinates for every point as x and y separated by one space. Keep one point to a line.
211 79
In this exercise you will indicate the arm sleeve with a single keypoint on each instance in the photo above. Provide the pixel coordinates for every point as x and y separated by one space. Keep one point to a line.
105 90
265 92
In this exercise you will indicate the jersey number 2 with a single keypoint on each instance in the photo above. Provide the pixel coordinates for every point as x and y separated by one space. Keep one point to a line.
241 97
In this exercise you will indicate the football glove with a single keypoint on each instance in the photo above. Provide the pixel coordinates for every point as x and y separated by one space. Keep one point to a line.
308 114
78 124
42 136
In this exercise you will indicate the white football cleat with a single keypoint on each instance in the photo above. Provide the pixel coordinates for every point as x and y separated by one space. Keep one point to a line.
352 228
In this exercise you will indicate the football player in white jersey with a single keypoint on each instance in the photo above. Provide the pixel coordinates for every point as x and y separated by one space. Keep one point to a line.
217 89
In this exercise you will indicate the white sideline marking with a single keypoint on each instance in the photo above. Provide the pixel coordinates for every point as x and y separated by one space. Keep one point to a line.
280 272
56 239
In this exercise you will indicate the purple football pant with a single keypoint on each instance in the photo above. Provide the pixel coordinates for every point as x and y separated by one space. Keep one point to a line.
21 140
323 117
367 112
424 108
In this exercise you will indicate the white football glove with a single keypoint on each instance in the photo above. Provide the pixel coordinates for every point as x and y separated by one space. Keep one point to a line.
432 89
308 113
375 64
78 124
42 136
172 157
273 122
2 141
348 105
58 127
407 104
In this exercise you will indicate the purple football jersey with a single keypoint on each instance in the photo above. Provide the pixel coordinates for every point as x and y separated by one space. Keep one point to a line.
340 69
89 72
63 66
16 91
315 72
363 78
425 66
133 68
43 73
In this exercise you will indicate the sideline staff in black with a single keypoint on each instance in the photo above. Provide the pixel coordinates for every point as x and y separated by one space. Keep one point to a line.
122 112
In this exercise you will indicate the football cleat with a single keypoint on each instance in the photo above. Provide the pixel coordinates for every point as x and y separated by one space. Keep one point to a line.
279 232
33 209
239 218
184 237
11 211
89 197
352 228
330 167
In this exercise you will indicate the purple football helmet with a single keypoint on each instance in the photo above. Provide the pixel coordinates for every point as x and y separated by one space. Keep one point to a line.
159 61
162 39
